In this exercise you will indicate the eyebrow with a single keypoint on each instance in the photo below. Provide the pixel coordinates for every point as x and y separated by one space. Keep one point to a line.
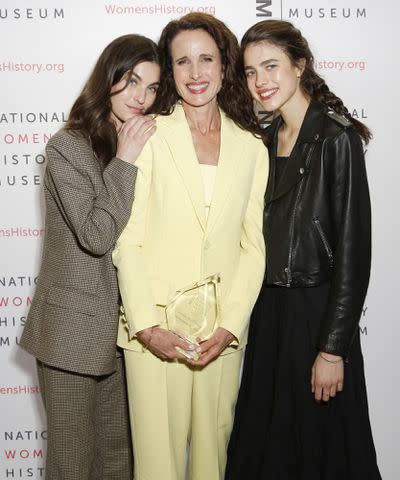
201 55
262 64
134 74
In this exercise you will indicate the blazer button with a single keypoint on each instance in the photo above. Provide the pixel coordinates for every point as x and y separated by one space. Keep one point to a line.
301 170
206 245
316 136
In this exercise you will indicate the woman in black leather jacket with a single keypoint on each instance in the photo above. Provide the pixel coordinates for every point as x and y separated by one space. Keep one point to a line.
302 411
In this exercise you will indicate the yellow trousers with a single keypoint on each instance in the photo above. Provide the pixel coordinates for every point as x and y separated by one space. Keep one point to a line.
173 407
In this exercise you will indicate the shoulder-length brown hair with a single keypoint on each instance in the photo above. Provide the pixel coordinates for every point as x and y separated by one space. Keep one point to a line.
233 98
91 112
289 38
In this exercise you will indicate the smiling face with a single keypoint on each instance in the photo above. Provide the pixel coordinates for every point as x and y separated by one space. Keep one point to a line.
196 67
271 77
136 97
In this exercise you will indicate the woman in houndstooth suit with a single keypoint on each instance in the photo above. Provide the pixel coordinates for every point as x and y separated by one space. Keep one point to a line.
73 321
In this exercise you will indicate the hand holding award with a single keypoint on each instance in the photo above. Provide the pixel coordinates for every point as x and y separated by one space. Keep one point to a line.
192 313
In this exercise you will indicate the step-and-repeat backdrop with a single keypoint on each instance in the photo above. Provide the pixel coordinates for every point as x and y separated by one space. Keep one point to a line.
48 48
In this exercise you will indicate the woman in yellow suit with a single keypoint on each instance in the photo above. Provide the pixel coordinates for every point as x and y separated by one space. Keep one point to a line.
198 211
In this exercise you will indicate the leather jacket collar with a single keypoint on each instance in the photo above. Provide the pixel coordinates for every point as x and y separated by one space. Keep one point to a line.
310 134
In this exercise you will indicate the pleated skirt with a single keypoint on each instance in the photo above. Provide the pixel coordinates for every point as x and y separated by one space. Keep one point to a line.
280 432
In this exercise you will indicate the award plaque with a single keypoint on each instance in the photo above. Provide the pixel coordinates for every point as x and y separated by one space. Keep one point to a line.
192 313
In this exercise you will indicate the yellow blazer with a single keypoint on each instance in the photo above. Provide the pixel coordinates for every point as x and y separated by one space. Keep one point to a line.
168 243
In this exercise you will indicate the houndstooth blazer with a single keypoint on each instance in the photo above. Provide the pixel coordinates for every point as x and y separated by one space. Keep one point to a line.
73 320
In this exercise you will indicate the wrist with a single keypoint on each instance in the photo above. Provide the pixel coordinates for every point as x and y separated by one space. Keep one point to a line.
122 158
330 357
145 336
229 337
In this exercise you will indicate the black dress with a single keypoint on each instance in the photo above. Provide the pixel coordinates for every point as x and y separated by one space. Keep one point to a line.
280 432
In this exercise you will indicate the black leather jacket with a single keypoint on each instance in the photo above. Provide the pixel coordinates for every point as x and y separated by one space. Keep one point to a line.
317 220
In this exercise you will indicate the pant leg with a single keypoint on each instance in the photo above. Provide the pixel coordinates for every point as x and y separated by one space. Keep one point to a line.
160 407
113 446
215 390
70 402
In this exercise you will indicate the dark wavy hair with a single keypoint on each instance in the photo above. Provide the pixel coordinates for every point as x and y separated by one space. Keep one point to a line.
289 38
233 98
90 114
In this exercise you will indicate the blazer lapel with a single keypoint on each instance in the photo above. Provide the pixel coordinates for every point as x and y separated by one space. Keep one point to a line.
226 171
184 155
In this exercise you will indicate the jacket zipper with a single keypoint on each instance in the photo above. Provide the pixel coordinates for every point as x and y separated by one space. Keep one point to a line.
328 249
290 256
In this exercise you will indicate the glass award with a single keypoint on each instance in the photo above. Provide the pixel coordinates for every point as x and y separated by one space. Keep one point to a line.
192 313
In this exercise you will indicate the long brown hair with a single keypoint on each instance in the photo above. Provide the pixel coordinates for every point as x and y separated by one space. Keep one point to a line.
233 98
90 114
289 38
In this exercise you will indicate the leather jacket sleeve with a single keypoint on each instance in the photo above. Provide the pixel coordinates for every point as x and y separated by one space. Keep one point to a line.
351 226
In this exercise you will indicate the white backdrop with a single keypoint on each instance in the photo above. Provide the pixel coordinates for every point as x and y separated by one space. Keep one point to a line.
47 51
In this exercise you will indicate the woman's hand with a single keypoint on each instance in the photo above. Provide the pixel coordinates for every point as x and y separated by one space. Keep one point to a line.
133 135
327 376
211 348
162 343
